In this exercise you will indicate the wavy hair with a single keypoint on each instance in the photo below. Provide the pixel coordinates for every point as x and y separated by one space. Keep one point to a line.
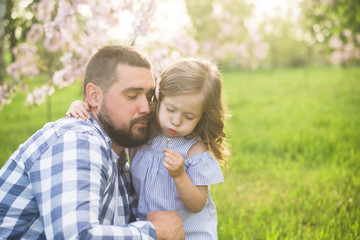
192 75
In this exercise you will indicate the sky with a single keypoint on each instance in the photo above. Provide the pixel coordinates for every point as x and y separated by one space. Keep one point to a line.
272 8
171 15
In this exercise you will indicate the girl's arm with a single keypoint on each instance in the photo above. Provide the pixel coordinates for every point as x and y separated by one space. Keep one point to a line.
79 109
192 196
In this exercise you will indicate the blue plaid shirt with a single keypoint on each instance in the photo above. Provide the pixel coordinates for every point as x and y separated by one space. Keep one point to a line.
64 183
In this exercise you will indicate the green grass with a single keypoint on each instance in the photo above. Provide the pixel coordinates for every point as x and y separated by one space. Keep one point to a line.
295 137
18 122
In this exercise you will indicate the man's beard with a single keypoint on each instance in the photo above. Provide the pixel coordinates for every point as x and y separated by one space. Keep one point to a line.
123 136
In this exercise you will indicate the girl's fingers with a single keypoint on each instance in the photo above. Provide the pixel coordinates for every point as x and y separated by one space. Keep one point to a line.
87 106
86 110
72 114
169 152
82 115
87 115
167 166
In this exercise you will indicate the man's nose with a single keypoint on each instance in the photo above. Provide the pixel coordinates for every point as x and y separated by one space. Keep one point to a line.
144 106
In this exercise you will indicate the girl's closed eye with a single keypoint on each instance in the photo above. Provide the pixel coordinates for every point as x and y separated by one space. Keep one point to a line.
189 117
170 109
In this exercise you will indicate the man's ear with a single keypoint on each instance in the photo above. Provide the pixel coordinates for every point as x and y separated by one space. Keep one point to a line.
93 95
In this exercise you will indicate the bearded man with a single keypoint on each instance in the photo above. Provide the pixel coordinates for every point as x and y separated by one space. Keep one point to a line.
70 180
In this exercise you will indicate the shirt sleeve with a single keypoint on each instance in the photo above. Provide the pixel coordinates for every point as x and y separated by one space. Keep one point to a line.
203 169
69 181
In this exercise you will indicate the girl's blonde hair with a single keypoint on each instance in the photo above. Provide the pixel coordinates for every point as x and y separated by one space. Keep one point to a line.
192 75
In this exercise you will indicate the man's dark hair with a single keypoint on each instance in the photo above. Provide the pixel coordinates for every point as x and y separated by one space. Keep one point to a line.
101 68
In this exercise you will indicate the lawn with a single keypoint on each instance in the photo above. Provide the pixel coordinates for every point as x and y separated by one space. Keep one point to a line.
295 137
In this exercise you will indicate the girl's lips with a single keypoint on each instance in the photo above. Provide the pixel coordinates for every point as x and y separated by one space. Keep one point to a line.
171 131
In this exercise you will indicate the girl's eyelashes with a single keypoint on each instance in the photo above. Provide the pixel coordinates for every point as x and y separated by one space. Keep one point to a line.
170 109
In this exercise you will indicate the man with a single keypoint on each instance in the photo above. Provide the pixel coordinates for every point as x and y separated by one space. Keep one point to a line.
70 179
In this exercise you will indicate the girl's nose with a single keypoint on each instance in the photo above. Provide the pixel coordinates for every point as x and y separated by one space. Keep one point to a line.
176 120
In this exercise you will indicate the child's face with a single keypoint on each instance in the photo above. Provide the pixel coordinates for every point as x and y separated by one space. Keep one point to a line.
178 115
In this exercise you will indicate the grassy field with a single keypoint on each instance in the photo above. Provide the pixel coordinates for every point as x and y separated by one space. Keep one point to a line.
295 137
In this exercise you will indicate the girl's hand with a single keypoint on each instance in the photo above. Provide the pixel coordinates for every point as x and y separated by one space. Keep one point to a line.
79 109
173 162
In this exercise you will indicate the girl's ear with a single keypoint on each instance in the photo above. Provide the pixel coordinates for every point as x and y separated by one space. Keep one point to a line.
93 95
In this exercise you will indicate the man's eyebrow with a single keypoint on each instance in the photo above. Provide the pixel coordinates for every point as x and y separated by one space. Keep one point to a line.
133 89
138 90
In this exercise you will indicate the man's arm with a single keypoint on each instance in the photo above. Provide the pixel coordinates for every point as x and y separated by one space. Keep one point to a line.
70 180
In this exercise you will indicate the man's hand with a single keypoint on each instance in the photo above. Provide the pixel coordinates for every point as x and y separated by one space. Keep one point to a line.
168 225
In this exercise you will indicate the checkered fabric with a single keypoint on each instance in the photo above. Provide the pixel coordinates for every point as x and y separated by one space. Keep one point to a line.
64 183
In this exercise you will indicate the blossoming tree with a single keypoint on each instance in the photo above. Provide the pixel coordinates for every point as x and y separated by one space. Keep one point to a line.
337 24
67 32
223 33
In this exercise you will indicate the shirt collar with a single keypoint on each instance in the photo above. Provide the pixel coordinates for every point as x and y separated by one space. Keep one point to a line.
100 129
123 158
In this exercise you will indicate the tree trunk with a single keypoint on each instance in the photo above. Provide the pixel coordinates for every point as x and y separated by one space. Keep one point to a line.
2 64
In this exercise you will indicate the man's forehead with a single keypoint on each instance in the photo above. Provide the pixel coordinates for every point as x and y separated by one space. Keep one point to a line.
135 77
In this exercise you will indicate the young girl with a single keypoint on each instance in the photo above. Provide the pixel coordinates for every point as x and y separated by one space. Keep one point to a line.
174 169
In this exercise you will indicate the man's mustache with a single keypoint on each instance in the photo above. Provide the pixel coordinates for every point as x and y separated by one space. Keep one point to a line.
140 119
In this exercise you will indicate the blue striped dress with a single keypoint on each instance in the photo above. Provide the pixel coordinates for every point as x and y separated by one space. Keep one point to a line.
157 191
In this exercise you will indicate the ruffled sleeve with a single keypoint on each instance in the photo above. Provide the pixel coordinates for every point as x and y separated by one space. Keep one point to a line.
203 169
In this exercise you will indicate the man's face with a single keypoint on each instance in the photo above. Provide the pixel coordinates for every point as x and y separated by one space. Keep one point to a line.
125 109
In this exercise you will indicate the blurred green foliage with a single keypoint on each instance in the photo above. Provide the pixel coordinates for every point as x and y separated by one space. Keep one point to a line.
333 17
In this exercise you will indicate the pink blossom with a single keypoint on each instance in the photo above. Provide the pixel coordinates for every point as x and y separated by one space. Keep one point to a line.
335 42
5 95
357 54
260 50
14 70
39 94
64 15
143 17
127 5
336 57
44 10
227 29
343 52
35 33
241 50
24 66
66 58
347 33
63 77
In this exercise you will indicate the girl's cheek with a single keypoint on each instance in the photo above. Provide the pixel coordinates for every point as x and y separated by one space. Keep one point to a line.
161 118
